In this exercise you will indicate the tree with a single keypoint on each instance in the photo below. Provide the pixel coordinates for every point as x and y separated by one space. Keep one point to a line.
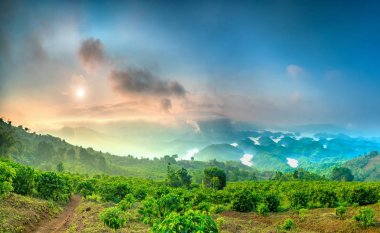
60 167
45 150
7 139
178 178
214 178
342 174
71 154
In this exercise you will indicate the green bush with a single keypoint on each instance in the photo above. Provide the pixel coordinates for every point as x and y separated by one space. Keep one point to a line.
140 193
169 203
365 217
52 186
288 224
7 173
325 197
262 209
115 191
114 218
244 201
217 209
204 206
149 210
127 202
361 194
272 200
190 221
302 214
23 183
87 187
298 199
341 212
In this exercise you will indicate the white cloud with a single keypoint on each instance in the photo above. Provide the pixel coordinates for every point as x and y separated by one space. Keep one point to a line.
294 71
292 162
190 153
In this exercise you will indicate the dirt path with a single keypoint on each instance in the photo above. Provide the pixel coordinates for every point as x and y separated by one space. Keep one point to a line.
61 223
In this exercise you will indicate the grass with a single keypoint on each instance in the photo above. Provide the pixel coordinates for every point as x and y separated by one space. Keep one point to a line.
316 220
22 214
87 220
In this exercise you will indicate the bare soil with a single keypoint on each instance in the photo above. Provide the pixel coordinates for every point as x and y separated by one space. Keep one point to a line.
62 222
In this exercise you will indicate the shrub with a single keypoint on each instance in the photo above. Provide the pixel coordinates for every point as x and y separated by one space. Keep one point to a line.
7 173
362 194
23 183
288 224
140 193
325 197
113 217
94 198
127 202
302 214
244 201
262 209
169 203
365 217
298 199
52 186
272 200
341 212
204 206
115 191
86 187
217 209
149 210
190 221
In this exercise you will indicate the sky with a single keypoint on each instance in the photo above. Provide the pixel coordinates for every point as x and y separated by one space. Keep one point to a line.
274 63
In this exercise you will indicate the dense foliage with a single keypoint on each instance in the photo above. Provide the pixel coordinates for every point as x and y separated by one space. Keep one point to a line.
365 217
190 221
113 218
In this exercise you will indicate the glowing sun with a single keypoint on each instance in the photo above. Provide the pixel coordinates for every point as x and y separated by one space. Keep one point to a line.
80 93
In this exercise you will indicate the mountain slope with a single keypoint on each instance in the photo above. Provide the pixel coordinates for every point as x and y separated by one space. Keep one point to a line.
366 167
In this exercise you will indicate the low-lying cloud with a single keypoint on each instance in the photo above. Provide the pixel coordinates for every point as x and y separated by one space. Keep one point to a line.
137 81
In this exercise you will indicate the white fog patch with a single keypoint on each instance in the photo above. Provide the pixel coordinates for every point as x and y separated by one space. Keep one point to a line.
255 140
306 135
190 153
292 162
247 159
234 144
276 140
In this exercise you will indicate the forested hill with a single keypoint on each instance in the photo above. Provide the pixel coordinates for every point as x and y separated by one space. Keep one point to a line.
366 167
49 153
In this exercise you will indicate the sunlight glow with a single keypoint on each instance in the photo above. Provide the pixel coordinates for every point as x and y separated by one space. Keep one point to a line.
80 93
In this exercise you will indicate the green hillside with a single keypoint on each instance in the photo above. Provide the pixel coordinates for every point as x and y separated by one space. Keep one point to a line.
366 167
45 152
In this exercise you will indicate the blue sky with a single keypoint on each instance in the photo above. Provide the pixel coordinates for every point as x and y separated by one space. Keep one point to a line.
269 62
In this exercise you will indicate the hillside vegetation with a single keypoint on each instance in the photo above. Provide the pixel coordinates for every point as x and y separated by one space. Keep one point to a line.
46 152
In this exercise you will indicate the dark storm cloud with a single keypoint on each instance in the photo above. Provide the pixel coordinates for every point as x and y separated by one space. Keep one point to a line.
166 105
137 81
91 53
